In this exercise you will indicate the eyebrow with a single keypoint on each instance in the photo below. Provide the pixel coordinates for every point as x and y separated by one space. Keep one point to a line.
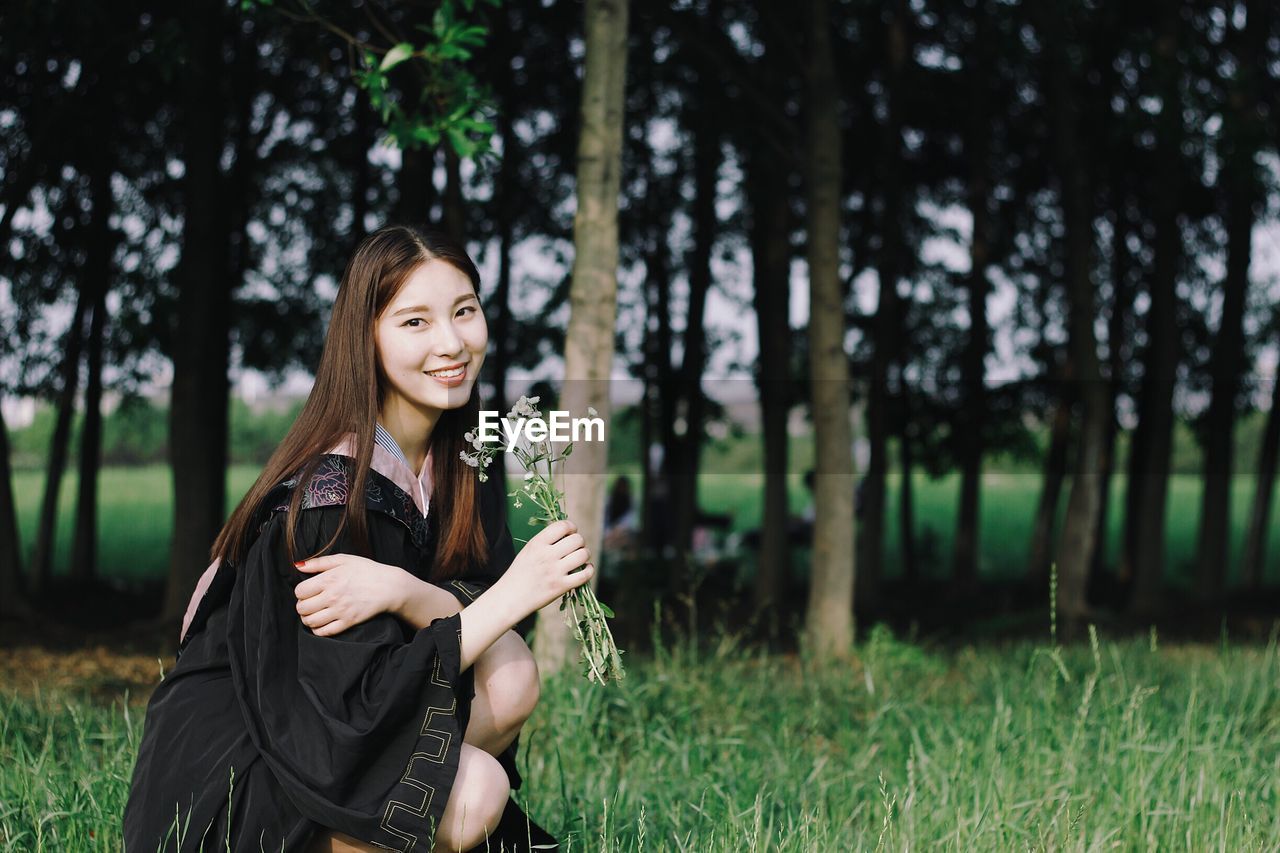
423 309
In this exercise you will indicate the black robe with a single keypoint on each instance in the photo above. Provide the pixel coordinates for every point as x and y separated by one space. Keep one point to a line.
265 734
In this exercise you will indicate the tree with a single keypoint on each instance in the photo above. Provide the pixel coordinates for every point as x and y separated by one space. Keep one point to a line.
888 359
1160 365
589 343
201 342
977 147
829 618
1253 564
1242 137
769 193
12 600
1080 528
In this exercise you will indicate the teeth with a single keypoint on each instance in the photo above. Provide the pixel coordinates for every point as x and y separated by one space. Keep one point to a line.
448 374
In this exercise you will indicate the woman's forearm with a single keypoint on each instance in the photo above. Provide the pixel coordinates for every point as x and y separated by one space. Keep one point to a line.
483 620
423 602
486 619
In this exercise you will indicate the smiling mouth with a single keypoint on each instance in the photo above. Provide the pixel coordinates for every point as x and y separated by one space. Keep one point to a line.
451 373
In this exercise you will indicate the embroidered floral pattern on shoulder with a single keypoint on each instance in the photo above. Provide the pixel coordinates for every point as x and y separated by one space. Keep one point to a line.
330 486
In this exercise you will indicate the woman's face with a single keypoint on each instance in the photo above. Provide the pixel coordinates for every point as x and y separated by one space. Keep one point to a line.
434 323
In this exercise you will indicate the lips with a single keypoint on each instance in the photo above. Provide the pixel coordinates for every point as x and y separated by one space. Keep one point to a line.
451 372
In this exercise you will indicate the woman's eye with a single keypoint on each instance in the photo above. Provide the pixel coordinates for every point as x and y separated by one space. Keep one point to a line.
413 321
466 308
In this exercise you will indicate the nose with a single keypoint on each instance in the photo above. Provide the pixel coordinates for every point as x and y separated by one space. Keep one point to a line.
447 342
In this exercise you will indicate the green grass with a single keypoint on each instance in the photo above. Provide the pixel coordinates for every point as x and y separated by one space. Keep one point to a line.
1129 745
135 517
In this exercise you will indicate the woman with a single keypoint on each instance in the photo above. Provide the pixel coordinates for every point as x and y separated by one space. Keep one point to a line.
365 702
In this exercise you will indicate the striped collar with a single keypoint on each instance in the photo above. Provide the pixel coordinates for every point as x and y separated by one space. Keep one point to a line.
387 442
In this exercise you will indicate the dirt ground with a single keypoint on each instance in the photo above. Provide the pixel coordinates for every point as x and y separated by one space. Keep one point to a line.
100 673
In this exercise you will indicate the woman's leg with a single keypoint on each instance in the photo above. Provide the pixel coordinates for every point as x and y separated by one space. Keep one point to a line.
507 690
475 806
476 802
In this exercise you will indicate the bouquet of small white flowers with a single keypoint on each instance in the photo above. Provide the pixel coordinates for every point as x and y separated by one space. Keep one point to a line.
584 613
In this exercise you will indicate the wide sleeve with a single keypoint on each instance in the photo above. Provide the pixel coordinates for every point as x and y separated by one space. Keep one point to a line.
362 729
493 516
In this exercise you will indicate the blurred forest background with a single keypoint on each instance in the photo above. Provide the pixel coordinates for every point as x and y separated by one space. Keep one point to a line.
1050 233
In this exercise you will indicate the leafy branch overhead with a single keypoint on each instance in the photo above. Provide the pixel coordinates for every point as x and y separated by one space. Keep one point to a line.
420 87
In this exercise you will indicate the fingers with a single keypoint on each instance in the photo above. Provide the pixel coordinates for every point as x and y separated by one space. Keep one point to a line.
577 557
555 531
308 588
319 618
319 564
325 623
568 545
308 606
577 579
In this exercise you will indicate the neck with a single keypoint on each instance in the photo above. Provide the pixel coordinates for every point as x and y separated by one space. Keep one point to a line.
411 428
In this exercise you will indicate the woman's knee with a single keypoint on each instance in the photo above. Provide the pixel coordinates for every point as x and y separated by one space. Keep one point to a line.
476 802
512 682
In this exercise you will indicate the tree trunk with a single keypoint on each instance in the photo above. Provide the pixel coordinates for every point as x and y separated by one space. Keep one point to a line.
1227 367
684 480
362 180
887 351
1055 472
455 211
42 556
1253 565
964 556
201 352
660 409
829 625
500 305
97 280
1115 369
771 264
1241 141
11 598
908 565
593 291
1160 369
1080 528
417 190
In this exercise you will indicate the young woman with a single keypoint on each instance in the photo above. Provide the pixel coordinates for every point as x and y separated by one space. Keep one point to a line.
369 699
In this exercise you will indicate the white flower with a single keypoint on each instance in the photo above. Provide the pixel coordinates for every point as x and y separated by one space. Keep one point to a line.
528 475
524 408
591 410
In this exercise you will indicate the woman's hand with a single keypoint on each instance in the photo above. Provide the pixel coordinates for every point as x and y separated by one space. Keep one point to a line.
549 565
347 590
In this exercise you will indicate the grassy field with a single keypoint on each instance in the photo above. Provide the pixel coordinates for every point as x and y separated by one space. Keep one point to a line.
1130 745
135 517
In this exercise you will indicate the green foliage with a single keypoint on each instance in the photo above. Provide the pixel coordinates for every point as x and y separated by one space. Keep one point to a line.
450 101
137 433
720 747
255 434
136 517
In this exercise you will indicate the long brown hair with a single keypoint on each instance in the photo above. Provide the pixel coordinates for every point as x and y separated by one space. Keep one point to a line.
346 398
